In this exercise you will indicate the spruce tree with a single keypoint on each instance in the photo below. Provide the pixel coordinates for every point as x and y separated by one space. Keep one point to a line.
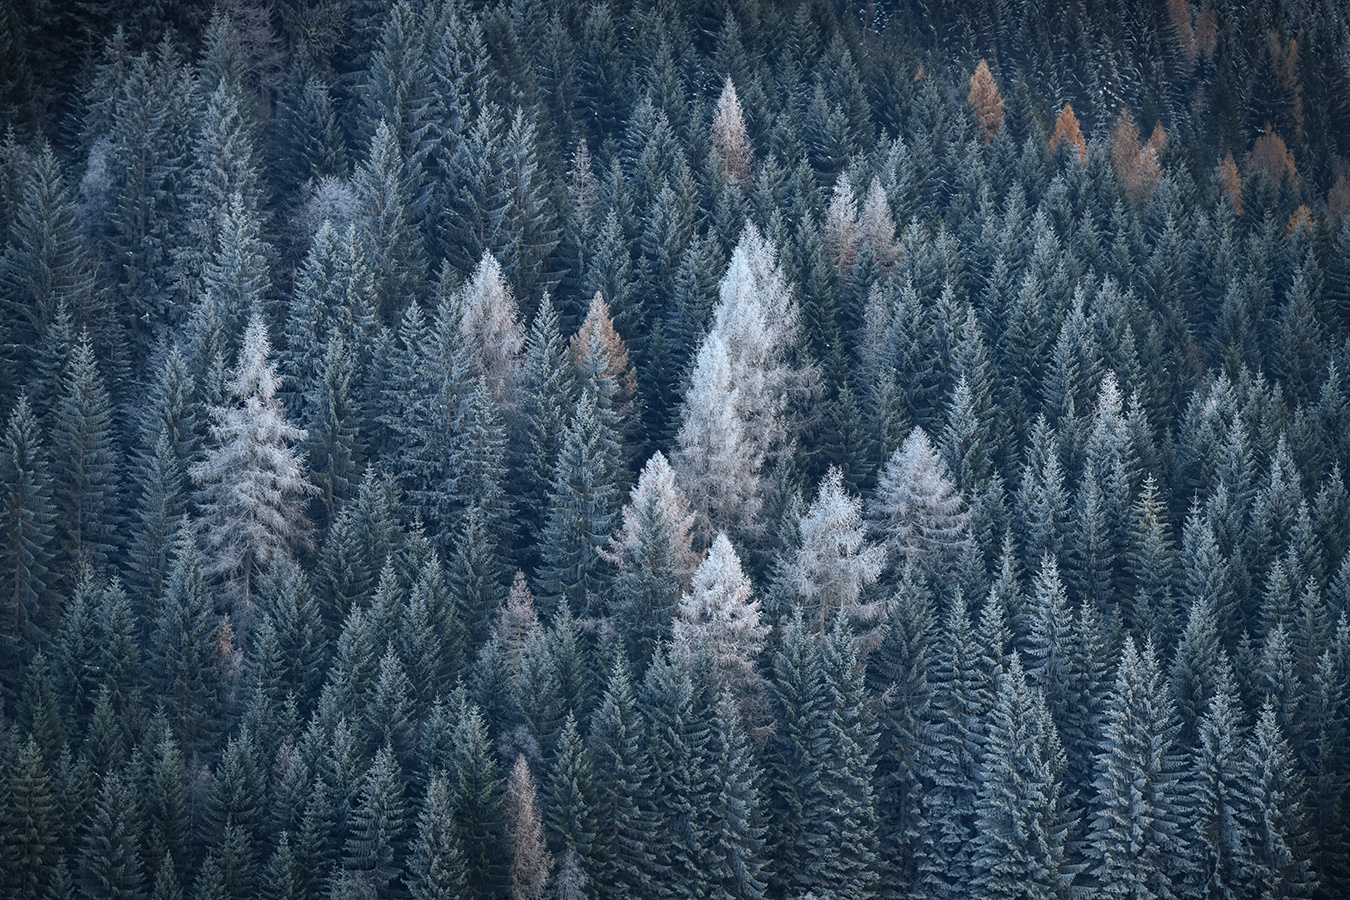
185 651
1135 846
1214 827
30 846
582 508
85 464
476 798
917 508
652 551
1273 811
1023 825
437 867
28 520
111 865
626 832
375 846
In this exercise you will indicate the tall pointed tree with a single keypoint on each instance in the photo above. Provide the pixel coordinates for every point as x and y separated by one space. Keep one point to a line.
251 483
26 549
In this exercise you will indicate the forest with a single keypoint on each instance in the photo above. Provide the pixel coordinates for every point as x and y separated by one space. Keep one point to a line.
711 450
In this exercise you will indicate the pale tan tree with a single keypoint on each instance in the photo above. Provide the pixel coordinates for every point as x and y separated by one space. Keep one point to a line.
986 103
730 146
531 864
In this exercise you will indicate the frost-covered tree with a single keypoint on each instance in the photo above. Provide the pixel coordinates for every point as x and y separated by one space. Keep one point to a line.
1135 846
733 416
917 512
1021 811
652 551
531 865
25 539
251 484
732 153
489 322
720 616
835 562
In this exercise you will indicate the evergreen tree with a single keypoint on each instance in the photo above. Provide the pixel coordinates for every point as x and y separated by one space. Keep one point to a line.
652 551
185 651
476 798
571 813
1273 813
30 847
918 509
386 228
626 830
110 863
582 508
1022 816
437 866
44 266
1215 830
85 464
375 846
1135 844
28 518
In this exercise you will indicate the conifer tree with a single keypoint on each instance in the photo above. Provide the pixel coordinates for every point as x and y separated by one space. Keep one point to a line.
26 551
1135 845
111 865
571 813
917 510
85 482
653 553
626 834
531 864
1214 826
169 443
718 617
732 421
582 508
1273 810
30 847
250 483
437 866
375 847
185 650
547 400
44 265
476 798
835 563
386 229
1022 816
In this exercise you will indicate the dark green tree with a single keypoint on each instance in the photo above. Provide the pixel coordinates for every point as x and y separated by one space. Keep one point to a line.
185 656
375 848
1022 815
30 847
1135 845
437 866
26 551
583 505
85 465
626 832
111 865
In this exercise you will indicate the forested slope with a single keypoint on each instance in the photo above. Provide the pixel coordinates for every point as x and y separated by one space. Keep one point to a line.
607 450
